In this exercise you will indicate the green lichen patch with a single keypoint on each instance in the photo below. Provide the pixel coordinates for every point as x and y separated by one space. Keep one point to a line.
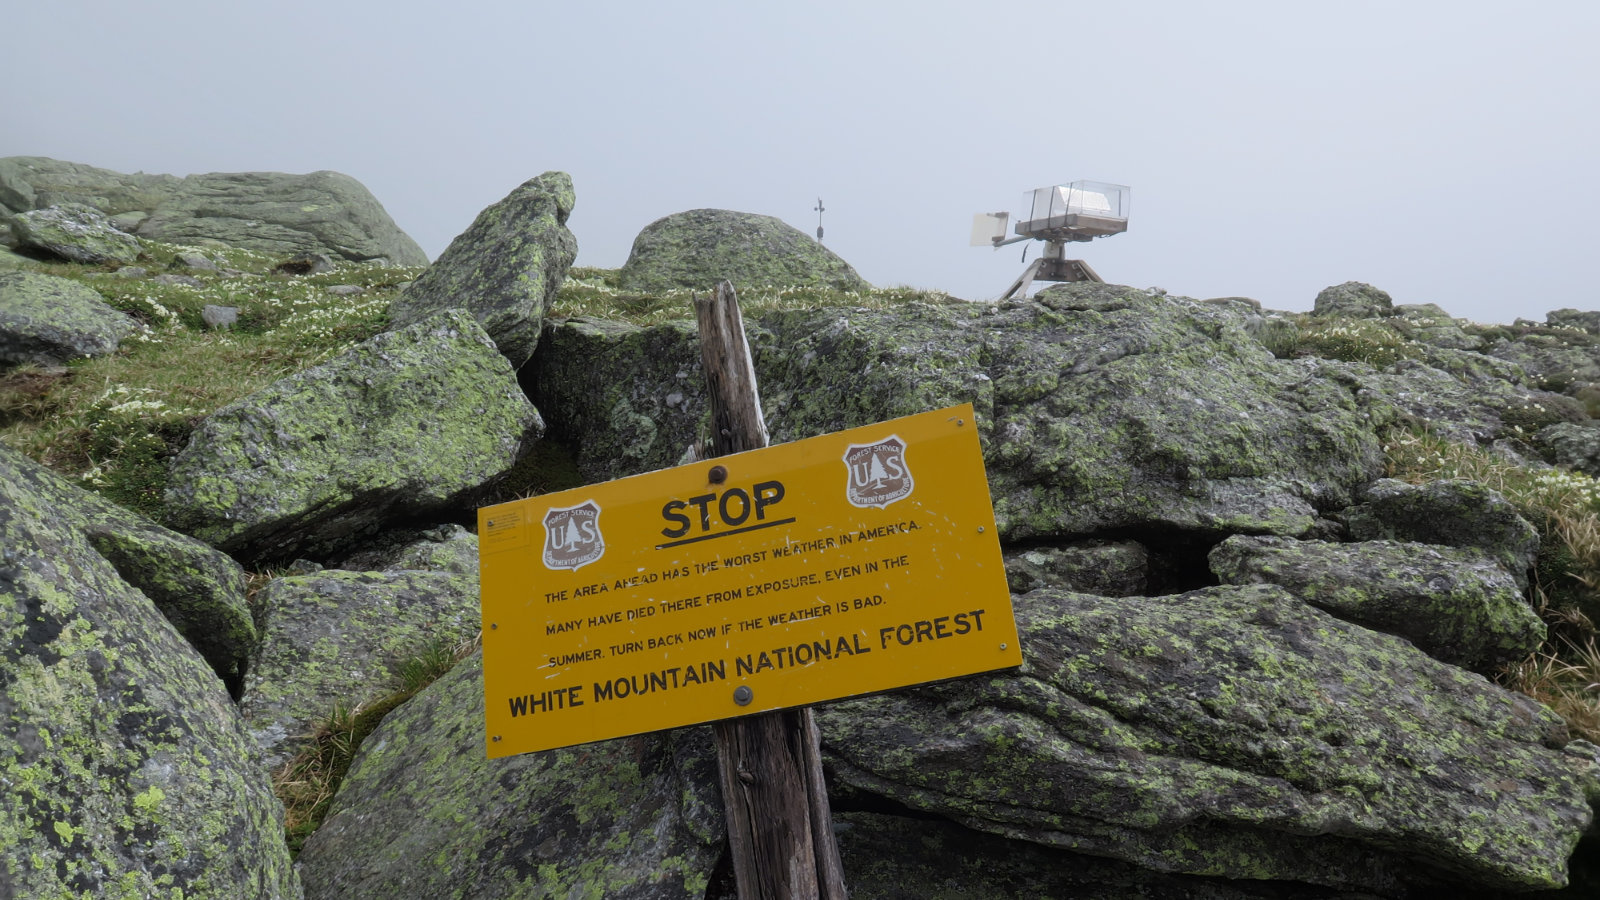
1233 731
424 812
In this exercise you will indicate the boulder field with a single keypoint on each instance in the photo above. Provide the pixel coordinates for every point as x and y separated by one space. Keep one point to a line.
1253 667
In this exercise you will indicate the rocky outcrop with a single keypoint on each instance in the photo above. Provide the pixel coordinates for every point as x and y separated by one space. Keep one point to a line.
504 269
1102 407
406 424
1233 732
1458 606
698 248
127 770
1353 299
425 813
45 320
267 211
75 233
335 637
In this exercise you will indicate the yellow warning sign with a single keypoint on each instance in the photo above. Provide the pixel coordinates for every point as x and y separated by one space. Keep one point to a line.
830 567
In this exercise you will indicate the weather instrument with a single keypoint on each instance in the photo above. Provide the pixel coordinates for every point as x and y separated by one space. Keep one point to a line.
1077 211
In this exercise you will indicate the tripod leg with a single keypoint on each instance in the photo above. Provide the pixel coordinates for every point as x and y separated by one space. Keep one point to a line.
1024 281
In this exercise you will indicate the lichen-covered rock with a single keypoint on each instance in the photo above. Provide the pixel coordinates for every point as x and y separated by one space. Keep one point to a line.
1456 605
425 813
624 399
45 320
700 247
402 425
505 268
76 233
1108 568
1453 512
266 211
1235 732
889 857
337 637
1353 299
200 591
125 767
1576 447
1100 407
1115 408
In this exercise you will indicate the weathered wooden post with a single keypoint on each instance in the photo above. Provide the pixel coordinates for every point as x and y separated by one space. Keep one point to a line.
780 827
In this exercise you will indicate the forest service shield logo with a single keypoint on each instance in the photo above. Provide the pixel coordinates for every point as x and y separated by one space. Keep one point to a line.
572 536
877 473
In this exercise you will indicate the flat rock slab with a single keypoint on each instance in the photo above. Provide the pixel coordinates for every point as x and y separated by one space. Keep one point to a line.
405 424
48 321
1234 732
127 770
425 813
338 637
505 268
1459 606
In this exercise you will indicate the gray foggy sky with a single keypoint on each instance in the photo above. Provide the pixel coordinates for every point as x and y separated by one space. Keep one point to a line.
1443 151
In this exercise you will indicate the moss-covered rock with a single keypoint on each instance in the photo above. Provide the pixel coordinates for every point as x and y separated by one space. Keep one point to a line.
338 637
45 320
425 813
505 268
1453 512
1456 605
405 424
700 247
126 769
76 233
199 590
1235 732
